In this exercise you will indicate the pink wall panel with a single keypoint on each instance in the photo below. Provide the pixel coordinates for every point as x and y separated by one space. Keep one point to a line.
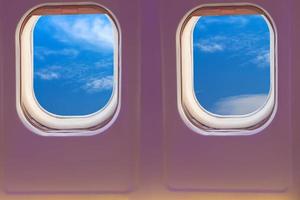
259 162
102 163
149 152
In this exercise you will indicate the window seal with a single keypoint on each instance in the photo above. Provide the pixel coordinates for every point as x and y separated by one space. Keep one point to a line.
192 113
33 116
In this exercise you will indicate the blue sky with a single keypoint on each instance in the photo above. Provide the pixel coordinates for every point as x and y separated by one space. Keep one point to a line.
231 63
73 63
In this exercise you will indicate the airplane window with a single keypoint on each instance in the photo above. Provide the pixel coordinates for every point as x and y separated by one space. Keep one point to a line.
73 63
230 72
71 82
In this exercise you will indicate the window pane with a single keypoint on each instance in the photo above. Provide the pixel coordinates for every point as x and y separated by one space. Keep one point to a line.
231 57
73 63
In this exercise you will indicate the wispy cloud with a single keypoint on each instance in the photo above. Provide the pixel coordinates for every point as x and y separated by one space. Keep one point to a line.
240 20
49 73
235 20
210 48
95 31
242 41
262 58
250 45
240 105
104 63
80 76
99 84
42 52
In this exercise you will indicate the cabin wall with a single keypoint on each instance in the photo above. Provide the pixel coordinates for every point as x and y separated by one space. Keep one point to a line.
149 152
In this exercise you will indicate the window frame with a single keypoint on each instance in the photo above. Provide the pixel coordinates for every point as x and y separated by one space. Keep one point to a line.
31 113
193 114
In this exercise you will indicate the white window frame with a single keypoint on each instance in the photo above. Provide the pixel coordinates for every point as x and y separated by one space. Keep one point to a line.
31 113
192 113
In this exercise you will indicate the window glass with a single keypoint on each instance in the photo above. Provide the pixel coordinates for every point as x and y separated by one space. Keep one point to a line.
73 63
231 63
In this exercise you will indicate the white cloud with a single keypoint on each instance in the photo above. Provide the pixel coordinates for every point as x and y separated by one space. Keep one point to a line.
226 20
240 42
47 75
239 20
104 63
210 48
42 52
246 44
262 58
240 105
92 31
78 76
69 52
76 71
100 84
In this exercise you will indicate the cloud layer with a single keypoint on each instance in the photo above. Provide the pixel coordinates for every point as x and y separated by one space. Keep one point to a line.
92 32
237 44
43 52
210 47
244 36
240 105
47 75
103 83
232 20
80 76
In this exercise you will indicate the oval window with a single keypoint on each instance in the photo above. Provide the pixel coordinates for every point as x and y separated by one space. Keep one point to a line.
68 69
228 69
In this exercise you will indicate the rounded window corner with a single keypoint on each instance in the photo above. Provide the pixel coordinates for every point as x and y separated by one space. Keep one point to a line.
30 111
197 117
205 130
